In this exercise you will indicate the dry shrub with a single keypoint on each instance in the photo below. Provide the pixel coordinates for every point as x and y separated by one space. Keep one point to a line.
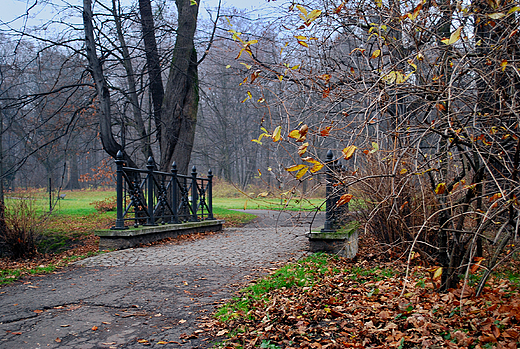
396 206
105 205
21 229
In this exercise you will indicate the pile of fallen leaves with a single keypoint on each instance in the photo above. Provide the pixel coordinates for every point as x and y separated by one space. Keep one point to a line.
367 304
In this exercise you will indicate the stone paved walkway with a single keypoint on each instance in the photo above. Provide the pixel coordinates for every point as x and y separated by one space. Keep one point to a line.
147 295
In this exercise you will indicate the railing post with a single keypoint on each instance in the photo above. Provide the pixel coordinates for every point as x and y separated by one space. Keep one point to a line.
329 216
150 166
120 222
210 194
175 205
194 194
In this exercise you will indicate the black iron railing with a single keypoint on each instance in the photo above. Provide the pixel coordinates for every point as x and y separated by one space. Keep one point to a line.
334 214
150 197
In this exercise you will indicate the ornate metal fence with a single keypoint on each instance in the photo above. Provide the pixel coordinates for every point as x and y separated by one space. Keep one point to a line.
334 215
150 197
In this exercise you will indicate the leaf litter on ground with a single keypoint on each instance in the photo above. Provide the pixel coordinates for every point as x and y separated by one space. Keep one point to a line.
365 303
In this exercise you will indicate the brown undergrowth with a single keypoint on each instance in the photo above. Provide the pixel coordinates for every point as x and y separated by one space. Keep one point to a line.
368 303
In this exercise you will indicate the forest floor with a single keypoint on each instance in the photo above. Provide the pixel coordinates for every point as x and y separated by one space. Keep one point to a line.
373 301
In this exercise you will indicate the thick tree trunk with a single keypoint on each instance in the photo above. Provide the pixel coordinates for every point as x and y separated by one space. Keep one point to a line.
180 105
153 62
73 182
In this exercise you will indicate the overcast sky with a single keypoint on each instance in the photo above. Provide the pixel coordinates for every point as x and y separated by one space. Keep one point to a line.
46 9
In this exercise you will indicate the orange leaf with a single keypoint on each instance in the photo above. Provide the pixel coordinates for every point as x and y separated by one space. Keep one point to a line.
344 199
495 197
325 132
441 188
94 328
326 93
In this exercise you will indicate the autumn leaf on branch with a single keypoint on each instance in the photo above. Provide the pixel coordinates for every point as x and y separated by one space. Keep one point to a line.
348 152
344 199
300 135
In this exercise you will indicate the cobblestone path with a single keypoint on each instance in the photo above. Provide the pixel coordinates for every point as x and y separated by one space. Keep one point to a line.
128 298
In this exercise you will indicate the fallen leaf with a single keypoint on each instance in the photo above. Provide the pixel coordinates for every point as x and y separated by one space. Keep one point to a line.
94 328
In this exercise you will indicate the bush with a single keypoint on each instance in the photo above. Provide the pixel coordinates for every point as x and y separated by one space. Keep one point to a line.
106 205
20 229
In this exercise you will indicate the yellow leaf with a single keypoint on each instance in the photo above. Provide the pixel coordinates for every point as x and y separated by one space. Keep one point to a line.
280 77
302 10
303 43
376 53
142 341
325 77
379 3
277 134
301 37
437 274
503 64
441 188
302 172
228 66
344 199
295 168
264 194
514 9
294 134
261 100
497 15
314 14
303 148
296 67
455 36
349 151
249 96
403 171
316 164
246 65
162 342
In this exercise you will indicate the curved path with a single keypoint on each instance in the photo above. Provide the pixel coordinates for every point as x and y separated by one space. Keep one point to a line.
147 296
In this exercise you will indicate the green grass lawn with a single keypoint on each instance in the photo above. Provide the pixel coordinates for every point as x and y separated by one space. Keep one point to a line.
75 217
268 204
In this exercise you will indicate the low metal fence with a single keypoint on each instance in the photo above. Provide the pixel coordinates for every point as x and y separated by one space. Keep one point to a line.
149 197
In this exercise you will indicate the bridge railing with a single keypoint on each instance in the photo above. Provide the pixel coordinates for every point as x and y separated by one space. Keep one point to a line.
149 197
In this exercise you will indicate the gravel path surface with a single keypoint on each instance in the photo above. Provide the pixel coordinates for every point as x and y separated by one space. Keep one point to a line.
144 296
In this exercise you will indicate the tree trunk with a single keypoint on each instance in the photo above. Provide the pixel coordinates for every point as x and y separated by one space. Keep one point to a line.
153 62
180 105
108 141
73 182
